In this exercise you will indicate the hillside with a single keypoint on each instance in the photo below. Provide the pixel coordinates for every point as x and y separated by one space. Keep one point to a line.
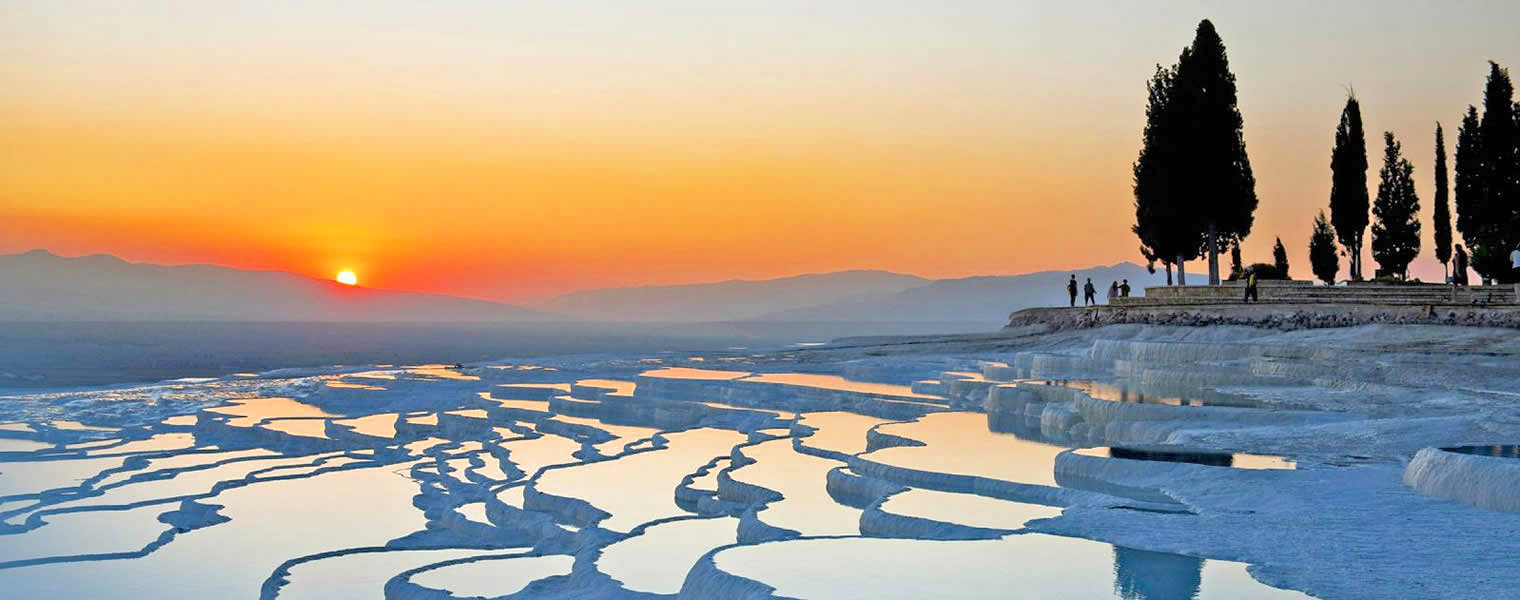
41 286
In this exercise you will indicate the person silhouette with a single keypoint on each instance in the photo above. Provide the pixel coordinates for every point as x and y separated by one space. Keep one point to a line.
1071 289
1459 267
1124 289
1089 293
1514 271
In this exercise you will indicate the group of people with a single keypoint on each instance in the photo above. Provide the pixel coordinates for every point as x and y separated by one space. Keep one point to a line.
1121 289
1090 294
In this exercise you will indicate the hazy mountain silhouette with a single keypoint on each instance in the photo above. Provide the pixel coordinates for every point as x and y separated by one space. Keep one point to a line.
42 286
846 296
988 298
730 300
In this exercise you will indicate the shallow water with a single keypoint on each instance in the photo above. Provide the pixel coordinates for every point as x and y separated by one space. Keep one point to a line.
960 443
1017 566
1495 451
657 560
1213 459
806 506
639 488
352 509
491 577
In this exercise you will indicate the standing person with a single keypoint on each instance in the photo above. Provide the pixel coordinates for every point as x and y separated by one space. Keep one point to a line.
1124 289
1089 293
1514 270
1113 291
1251 295
1071 287
1459 267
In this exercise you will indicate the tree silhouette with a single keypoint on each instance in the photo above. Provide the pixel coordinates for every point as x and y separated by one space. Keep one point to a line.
1280 259
1165 232
1487 182
1441 217
1323 258
1470 197
1235 267
1501 174
1348 183
1221 189
1396 232
1194 190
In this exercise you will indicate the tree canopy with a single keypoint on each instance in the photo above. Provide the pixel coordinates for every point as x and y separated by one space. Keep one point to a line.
1441 215
1348 184
1323 259
1280 259
1487 182
1396 232
1194 189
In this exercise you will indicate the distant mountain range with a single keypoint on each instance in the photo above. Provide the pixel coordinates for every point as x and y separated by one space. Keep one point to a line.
735 300
986 298
41 286
846 296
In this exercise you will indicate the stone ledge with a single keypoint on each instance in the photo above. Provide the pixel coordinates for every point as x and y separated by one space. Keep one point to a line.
1284 316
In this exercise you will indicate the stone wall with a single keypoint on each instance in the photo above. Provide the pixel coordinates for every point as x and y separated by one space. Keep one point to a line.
1285 316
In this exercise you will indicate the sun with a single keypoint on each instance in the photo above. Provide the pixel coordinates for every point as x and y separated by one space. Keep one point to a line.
348 278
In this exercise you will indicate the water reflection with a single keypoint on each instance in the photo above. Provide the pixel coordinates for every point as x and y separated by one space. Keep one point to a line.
1121 391
1146 575
1212 459
1495 451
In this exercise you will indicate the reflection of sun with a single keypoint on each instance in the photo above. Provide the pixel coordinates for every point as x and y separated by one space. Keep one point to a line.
348 278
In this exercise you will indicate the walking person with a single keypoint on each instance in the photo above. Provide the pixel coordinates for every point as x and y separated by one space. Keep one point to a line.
1251 294
1089 293
1071 289
1514 271
1124 289
1113 291
1459 267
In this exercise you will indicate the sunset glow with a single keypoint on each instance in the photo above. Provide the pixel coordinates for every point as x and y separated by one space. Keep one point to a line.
347 278
484 151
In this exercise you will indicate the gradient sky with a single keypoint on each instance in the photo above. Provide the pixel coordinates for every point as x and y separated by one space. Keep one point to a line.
514 150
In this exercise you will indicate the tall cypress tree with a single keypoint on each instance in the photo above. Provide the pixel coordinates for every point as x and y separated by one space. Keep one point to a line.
1470 195
1441 217
1396 232
1161 223
1501 174
1219 187
1323 259
1280 259
1348 184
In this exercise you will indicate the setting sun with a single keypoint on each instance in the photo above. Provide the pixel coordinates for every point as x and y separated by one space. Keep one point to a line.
348 278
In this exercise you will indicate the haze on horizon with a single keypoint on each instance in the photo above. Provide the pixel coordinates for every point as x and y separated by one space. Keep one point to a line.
515 151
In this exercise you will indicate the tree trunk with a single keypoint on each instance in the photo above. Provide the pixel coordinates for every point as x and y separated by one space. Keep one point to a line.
1168 274
1356 259
1181 271
1213 254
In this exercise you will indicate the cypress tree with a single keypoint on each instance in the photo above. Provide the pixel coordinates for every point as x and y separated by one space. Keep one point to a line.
1280 259
1323 258
1348 184
1501 174
1160 212
1470 196
1441 217
1220 189
1396 232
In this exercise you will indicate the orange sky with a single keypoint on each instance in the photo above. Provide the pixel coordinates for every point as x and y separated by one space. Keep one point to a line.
515 153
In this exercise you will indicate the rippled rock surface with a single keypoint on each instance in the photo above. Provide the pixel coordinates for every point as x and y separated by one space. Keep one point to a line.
1119 462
